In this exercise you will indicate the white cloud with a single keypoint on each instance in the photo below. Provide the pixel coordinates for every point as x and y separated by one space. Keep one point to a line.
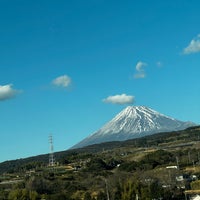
140 72
193 47
140 65
140 75
62 81
7 92
119 99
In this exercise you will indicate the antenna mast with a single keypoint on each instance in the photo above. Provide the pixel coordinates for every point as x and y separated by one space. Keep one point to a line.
51 154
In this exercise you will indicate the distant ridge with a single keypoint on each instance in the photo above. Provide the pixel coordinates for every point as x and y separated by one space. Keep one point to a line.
134 122
180 138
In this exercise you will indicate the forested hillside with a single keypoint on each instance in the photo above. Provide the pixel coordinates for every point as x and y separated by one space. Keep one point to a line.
163 166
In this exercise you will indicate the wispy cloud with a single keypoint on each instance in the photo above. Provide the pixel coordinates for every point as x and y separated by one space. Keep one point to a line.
119 99
140 71
159 64
62 81
193 47
8 92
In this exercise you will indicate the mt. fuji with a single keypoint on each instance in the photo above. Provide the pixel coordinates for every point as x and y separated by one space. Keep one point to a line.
134 122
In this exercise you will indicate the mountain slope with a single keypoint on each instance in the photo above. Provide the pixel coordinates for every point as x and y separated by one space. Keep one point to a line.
134 122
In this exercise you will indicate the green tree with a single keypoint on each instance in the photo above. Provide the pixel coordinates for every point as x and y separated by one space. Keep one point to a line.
87 196
195 185
128 192
145 193
101 196
3 194
96 164
24 194
117 194
33 195
15 194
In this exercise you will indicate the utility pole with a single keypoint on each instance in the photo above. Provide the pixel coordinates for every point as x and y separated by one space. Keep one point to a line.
193 164
189 157
177 162
107 192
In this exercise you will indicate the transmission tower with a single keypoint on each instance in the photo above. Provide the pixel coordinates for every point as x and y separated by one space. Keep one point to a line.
51 154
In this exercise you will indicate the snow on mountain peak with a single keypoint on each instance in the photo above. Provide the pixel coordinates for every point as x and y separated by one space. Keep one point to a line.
133 122
135 119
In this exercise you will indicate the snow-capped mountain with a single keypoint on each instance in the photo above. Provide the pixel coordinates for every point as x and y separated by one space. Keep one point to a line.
134 122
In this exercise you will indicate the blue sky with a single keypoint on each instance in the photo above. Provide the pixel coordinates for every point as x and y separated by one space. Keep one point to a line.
68 67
